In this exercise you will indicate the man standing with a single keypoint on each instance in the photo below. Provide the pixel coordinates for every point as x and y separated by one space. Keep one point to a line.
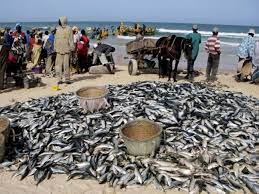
49 47
195 37
245 53
247 46
4 52
64 45
213 48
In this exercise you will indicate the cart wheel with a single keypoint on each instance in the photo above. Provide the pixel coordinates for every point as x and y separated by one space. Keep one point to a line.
133 67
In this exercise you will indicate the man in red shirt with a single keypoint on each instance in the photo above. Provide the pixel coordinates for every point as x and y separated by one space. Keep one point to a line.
213 48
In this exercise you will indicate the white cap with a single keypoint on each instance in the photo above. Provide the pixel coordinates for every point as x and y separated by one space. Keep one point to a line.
95 45
215 29
251 31
195 27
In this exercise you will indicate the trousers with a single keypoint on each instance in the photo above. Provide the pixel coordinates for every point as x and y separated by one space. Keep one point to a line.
212 67
62 67
50 63
4 52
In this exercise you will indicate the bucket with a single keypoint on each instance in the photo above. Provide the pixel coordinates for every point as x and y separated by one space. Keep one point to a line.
141 137
4 134
92 98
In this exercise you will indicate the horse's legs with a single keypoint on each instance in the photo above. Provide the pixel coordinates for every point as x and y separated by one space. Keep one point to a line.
170 69
175 70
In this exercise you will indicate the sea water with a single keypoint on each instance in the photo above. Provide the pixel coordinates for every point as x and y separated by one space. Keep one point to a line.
230 37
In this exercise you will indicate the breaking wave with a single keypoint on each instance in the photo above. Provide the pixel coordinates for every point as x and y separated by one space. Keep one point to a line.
204 33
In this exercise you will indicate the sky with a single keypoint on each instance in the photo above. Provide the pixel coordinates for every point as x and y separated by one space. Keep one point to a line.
232 12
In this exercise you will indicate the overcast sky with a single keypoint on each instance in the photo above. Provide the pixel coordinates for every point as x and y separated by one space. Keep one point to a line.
236 12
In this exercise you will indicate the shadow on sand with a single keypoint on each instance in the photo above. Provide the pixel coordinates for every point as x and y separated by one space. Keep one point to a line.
87 77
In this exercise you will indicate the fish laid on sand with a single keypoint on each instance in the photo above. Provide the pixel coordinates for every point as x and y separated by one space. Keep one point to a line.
210 142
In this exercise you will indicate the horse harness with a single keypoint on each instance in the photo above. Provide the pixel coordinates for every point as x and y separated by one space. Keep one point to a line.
171 46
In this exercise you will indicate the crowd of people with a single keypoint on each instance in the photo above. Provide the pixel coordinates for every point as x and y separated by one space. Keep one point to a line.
247 52
55 52
62 47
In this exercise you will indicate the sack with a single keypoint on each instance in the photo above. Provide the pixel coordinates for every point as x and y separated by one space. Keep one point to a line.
98 69
12 58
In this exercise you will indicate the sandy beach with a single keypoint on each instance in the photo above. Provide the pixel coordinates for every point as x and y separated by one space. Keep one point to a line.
58 183
10 96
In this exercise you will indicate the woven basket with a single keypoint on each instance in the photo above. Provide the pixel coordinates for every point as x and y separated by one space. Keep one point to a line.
4 134
141 137
92 98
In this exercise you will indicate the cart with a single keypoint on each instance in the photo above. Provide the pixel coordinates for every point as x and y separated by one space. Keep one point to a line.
141 51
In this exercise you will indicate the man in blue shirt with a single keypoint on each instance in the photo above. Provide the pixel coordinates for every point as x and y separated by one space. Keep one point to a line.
51 55
246 50
195 37
247 46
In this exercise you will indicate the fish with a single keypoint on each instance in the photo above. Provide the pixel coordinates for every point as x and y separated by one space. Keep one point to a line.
209 142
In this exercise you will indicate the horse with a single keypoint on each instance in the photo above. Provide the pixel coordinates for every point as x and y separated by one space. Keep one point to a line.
171 48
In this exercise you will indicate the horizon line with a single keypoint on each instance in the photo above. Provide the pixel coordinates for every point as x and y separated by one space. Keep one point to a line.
125 21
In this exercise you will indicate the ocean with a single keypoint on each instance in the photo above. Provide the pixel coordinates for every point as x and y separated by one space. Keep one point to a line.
230 36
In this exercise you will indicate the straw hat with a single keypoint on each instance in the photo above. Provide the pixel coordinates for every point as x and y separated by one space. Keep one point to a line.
251 31
75 28
215 30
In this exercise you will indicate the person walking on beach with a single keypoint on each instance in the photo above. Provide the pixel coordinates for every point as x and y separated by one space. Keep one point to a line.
213 48
64 45
195 37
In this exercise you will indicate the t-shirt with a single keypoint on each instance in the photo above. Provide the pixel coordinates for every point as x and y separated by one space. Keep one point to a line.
213 45
76 38
196 40
44 40
246 48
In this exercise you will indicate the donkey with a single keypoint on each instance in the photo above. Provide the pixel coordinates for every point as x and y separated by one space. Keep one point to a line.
171 48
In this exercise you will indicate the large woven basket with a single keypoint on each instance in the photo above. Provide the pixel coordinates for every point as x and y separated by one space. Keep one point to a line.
92 98
141 137
4 134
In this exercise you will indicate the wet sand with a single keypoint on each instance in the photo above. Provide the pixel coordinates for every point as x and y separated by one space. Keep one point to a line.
58 183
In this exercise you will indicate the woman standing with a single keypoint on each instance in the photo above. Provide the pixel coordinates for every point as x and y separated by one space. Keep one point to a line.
82 52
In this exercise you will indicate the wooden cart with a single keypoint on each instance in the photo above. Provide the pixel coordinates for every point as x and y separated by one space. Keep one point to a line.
141 51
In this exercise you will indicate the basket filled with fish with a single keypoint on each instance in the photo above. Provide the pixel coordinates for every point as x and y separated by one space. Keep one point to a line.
4 133
92 98
141 137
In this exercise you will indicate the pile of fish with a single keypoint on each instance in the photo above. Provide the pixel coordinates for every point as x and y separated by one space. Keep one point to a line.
210 141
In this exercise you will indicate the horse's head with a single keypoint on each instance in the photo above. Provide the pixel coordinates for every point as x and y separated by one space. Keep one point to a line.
187 48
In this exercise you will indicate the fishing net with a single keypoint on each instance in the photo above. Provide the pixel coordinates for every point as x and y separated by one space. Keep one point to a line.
92 98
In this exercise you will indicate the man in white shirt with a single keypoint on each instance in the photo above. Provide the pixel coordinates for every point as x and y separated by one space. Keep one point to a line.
45 37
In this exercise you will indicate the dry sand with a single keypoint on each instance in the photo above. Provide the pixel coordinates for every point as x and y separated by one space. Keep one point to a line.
58 184
121 77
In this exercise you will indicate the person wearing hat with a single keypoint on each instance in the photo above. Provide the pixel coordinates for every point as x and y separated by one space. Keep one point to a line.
212 46
245 50
195 37
247 46
51 55
64 45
